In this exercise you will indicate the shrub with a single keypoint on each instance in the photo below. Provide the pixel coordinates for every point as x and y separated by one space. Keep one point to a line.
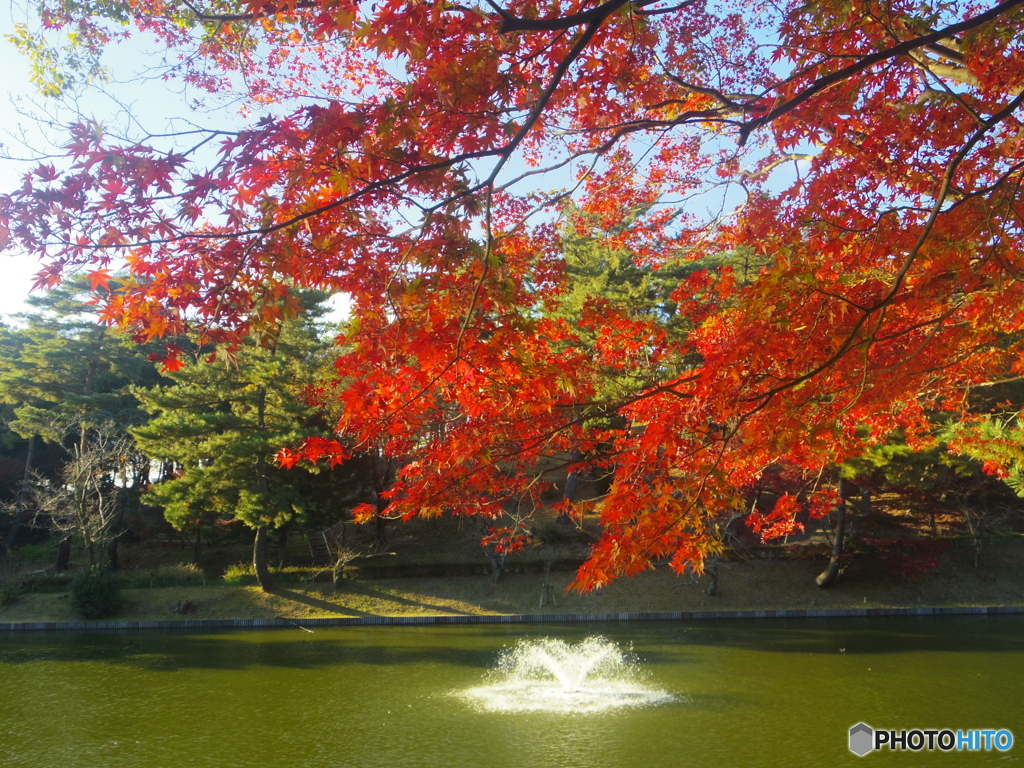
177 572
909 558
31 553
95 594
46 581
10 588
238 571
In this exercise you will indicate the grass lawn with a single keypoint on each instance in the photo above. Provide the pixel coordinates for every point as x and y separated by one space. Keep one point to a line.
755 584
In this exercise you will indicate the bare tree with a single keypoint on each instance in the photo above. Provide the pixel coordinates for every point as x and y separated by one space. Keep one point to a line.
342 557
87 499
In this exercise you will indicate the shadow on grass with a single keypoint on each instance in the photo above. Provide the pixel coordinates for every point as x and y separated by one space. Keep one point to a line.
386 597
313 602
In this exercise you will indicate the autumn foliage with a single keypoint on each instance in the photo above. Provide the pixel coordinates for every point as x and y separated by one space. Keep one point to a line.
420 156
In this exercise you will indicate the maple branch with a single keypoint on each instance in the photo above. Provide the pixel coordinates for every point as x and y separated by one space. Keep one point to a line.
298 218
699 491
993 383
264 12
724 99
946 52
234 273
636 126
421 232
956 72
538 109
964 197
503 152
840 297
904 48
531 443
484 266
545 170
423 390
596 15
947 182
641 11
526 445
932 322
791 157
901 274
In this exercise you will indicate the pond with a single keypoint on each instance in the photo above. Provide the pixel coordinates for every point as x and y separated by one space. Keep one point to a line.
727 693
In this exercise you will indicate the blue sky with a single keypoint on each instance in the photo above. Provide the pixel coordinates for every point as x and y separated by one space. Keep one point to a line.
152 104
15 272
120 103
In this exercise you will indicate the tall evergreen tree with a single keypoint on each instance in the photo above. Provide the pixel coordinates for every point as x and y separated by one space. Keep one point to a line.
611 290
222 422
64 376
65 366
612 293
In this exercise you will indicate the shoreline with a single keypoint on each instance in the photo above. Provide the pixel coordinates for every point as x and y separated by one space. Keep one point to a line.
757 589
509 618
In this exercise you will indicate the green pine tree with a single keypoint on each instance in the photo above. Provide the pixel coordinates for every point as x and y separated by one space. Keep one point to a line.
604 275
65 377
598 271
220 425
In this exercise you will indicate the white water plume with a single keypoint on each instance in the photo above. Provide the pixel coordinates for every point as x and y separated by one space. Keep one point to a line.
551 675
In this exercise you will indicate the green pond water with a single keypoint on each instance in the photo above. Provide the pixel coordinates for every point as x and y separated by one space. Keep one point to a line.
743 693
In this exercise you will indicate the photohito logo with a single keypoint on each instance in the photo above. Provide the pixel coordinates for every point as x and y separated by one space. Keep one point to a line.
864 739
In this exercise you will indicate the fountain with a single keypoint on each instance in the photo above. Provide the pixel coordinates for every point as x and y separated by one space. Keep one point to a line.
554 676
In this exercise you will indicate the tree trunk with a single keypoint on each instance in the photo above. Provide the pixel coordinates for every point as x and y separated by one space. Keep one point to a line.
112 554
831 573
259 547
547 589
282 546
199 539
712 571
19 511
259 560
382 470
572 484
497 566
63 555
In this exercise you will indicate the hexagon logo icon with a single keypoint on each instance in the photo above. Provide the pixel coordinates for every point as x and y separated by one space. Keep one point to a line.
862 738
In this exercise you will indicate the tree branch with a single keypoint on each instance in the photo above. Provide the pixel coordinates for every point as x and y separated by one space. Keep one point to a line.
595 15
901 49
